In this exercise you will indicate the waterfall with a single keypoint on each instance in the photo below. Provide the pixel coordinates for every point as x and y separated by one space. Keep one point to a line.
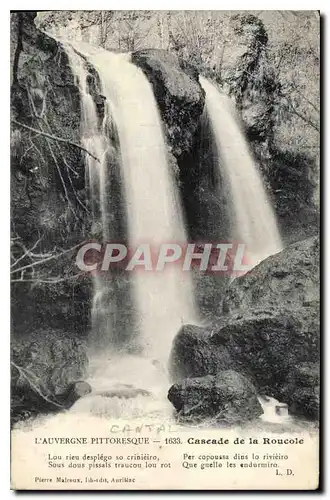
164 300
129 141
253 221
95 140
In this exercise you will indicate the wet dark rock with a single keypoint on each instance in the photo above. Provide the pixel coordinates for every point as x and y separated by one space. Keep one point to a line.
227 398
194 356
266 344
178 93
269 331
305 374
44 97
306 401
45 368
75 391
302 390
261 344
290 278
100 106
47 183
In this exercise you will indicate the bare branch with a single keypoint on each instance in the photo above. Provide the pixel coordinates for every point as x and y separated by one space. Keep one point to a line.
44 120
55 138
60 174
19 48
304 97
293 110
47 259
34 112
304 118
27 252
23 373
47 281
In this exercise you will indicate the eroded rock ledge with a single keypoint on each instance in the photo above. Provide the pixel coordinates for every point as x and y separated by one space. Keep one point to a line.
178 93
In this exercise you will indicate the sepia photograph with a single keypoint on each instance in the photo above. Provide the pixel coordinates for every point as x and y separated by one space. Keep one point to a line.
164 249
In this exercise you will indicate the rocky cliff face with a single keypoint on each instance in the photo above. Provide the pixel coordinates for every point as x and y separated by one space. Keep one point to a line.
178 93
50 305
268 331
290 277
47 176
227 398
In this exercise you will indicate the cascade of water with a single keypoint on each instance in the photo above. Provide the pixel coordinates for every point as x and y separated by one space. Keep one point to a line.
253 219
163 300
95 140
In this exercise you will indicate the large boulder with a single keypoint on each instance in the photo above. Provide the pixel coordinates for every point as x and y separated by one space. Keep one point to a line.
264 344
268 344
178 93
290 279
227 398
302 390
269 331
193 355
45 366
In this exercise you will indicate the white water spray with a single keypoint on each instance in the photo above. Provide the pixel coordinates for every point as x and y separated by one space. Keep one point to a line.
253 219
96 141
164 300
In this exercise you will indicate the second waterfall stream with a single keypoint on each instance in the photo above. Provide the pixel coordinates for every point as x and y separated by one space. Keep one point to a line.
253 220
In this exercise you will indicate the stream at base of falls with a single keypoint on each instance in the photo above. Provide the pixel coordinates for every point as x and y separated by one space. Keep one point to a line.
150 408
